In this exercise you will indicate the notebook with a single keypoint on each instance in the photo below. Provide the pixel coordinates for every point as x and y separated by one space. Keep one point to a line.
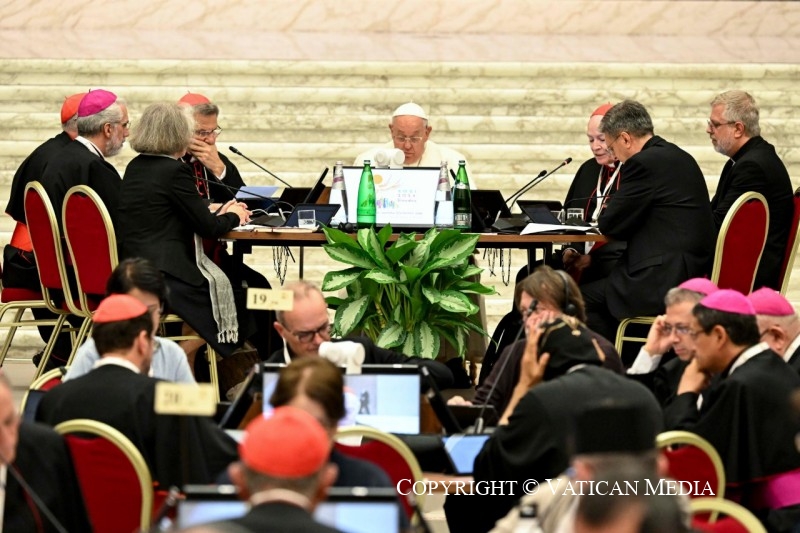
405 197
385 397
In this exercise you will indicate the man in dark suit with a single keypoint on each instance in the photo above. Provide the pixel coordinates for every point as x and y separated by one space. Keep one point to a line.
119 393
778 324
103 126
753 166
746 412
284 472
307 326
37 455
661 209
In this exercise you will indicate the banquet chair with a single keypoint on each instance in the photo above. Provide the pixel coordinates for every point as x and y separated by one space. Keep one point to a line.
791 245
740 243
37 389
46 239
20 300
737 518
92 248
391 454
114 477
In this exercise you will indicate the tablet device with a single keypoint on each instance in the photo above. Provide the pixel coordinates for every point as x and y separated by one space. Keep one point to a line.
360 510
539 214
462 451
209 503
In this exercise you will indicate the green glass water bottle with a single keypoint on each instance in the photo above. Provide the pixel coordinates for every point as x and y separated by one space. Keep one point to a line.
462 200
365 211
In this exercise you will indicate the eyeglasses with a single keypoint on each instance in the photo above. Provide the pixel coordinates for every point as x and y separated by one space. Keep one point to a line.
125 125
208 133
402 139
693 334
528 311
608 145
714 125
679 330
323 331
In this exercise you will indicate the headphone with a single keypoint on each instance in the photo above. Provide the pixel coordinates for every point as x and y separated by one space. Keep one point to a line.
569 307
347 227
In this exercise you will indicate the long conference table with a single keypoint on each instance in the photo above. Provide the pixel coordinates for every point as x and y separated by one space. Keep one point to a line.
243 241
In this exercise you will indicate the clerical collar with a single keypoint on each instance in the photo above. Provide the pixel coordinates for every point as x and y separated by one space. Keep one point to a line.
746 355
281 495
91 146
118 361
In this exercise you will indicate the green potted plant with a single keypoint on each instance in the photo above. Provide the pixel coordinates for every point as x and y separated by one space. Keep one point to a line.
409 295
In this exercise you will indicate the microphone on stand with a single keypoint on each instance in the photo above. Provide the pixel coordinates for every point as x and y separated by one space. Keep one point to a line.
523 189
537 180
237 152
479 421
37 501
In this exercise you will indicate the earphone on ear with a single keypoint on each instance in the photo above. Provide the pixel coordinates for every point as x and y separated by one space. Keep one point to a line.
569 308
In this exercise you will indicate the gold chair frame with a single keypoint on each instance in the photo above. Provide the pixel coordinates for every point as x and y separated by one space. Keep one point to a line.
792 249
715 506
37 383
134 456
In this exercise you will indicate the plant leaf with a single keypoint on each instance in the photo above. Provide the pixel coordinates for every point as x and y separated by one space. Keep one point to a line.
426 341
384 234
400 248
349 315
336 236
392 336
382 277
432 295
453 252
349 256
333 281
469 270
455 302
474 288
412 273
408 346
369 242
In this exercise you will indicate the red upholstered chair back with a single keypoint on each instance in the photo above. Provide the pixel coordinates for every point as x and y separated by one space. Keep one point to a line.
736 519
791 245
91 241
740 243
385 450
115 481
692 458
45 237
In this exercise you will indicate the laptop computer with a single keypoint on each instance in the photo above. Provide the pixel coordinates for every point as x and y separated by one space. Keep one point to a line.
323 213
240 411
487 206
304 195
462 451
349 509
405 197
455 418
257 196
385 397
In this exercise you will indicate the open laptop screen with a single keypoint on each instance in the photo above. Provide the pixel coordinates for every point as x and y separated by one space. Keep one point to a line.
385 397
405 197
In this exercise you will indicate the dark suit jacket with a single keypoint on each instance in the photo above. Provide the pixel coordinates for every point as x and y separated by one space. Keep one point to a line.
375 355
32 169
160 213
217 192
124 400
74 165
756 167
794 360
44 463
662 210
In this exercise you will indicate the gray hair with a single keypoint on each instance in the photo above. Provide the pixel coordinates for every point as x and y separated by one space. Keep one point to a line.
677 295
206 110
164 128
71 124
93 124
630 116
739 107
301 289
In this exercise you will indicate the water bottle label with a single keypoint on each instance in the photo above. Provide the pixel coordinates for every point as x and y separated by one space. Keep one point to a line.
463 220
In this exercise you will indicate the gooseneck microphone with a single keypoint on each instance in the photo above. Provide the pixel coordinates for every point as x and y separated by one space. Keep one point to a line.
525 187
237 152
537 180
479 421
34 497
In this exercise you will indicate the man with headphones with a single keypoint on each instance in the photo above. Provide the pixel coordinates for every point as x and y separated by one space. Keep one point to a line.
544 291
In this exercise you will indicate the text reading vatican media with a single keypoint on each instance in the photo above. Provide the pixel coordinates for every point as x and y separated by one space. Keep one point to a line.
663 487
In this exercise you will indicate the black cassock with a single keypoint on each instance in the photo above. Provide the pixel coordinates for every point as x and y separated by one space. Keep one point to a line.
44 463
124 400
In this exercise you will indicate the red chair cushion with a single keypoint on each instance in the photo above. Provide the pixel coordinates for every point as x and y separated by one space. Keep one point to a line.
690 463
12 294
43 237
109 484
723 525
88 239
742 247
386 458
